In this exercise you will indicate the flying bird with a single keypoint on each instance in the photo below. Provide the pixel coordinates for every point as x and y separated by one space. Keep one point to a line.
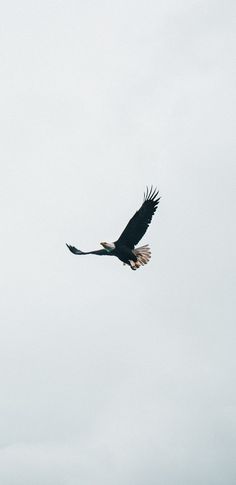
124 248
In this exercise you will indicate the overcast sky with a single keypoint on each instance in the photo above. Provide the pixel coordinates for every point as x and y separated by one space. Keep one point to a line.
110 376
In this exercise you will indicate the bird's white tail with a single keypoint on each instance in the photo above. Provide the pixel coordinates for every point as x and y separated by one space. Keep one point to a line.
143 254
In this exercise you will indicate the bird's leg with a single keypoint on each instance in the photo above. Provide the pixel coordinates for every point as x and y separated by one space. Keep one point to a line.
132 264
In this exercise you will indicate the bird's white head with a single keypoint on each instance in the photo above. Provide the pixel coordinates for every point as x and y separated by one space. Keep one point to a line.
108 246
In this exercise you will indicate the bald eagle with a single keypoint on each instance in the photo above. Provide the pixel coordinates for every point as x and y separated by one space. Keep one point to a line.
124 248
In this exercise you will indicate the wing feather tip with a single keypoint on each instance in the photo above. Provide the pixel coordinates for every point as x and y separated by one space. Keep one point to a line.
151 194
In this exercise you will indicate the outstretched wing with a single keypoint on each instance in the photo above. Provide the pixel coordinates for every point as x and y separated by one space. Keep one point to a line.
139 223
99 252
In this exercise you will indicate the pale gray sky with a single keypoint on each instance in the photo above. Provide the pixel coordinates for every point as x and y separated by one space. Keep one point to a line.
110 376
